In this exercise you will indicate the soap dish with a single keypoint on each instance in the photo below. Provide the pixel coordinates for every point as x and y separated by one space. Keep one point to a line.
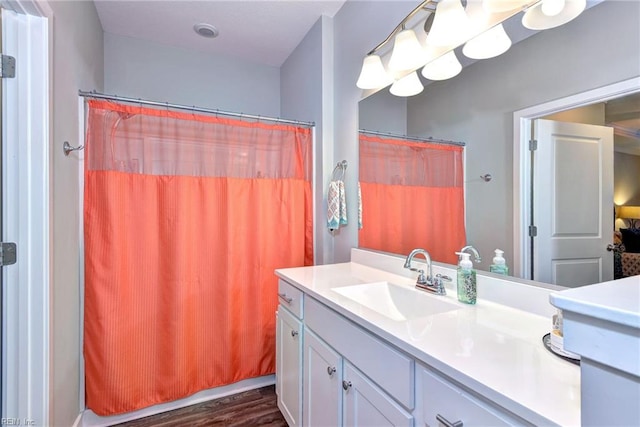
546 340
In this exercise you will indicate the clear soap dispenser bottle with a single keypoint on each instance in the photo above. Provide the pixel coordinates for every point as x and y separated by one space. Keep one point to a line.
499 265
466 279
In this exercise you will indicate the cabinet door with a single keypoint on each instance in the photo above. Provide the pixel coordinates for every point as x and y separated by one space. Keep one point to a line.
322 383
365 404
289 366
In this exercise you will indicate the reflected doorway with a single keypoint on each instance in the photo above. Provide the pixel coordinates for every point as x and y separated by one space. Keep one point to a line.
615 106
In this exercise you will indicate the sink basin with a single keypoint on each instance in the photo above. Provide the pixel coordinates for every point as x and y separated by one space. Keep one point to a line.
395 302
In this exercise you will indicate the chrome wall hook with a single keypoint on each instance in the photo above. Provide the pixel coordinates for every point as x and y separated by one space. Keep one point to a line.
67 148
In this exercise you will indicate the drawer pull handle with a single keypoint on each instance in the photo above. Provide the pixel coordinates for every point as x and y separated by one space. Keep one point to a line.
346 385
331 370
294 333
445 422
287 299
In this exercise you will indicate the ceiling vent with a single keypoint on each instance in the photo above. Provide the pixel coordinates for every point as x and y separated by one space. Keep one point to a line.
206 30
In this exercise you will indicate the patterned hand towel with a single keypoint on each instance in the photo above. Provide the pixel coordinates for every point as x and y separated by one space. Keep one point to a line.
359 207
343 203
333 206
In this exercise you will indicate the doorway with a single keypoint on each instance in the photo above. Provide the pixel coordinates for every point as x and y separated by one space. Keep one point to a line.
524 172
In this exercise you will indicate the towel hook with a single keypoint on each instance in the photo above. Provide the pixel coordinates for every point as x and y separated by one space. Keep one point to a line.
341 168
67 148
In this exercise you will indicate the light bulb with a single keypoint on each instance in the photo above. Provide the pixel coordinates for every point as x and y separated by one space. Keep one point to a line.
409 85
373 74
443 68
552 7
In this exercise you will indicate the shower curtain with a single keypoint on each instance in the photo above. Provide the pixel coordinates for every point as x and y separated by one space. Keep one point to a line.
186 217
412 197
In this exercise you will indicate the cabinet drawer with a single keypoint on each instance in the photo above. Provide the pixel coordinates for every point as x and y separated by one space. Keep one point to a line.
290 297
439 397
386 366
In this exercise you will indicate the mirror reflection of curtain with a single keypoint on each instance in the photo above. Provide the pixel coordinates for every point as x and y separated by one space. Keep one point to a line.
412 197
186 217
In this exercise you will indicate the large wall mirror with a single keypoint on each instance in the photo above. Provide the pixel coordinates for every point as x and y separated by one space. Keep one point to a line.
599 48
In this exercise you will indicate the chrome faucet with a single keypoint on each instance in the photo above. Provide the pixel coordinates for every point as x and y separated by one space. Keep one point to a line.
474 252
427 283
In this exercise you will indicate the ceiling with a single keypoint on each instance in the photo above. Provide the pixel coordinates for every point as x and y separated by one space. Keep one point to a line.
261 31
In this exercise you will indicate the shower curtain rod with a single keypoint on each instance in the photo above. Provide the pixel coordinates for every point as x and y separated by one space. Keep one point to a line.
192 108
413 138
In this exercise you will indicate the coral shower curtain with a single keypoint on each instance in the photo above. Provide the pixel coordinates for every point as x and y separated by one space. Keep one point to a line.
186 217
412 197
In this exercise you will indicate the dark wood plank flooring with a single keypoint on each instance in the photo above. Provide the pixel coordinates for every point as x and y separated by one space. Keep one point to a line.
250 408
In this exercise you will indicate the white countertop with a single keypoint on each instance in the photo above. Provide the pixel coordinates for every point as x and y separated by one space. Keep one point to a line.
617 301
491 348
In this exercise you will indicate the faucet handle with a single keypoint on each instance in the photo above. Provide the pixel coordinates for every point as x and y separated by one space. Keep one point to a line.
438 282
421 280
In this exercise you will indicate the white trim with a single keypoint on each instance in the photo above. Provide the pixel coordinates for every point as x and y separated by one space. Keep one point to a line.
80 154
521 166
26 215
90 419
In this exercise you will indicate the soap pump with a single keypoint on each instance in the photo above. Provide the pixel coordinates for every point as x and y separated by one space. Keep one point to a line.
466 280
499 265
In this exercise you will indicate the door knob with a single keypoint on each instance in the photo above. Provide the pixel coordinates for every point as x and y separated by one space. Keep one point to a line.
346 385
294 333
610 247
331 370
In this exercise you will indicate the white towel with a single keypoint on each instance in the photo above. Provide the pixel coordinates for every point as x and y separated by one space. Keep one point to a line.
333 206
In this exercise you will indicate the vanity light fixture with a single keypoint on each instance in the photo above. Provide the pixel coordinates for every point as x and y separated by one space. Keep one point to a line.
408 85
552 13
443 68
450 25
373 74
489 44
407 52
496 6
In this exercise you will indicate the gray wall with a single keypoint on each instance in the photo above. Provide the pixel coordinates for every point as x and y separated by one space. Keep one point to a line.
598 48
358 27
141 69
626 179
383 112
306 79
77 63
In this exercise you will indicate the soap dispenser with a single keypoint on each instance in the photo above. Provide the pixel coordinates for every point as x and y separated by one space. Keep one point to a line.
466 279
499 265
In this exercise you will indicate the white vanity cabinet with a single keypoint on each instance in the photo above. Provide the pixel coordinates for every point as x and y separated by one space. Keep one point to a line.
440 402
352 378
322 383
289 340
365 404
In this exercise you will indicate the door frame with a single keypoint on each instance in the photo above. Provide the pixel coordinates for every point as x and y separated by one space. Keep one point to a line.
522 122
26 212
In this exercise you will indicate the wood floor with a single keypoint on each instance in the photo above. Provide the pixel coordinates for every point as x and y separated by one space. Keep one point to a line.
250 408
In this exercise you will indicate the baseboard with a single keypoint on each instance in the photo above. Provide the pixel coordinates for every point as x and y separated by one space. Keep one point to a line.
89 419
